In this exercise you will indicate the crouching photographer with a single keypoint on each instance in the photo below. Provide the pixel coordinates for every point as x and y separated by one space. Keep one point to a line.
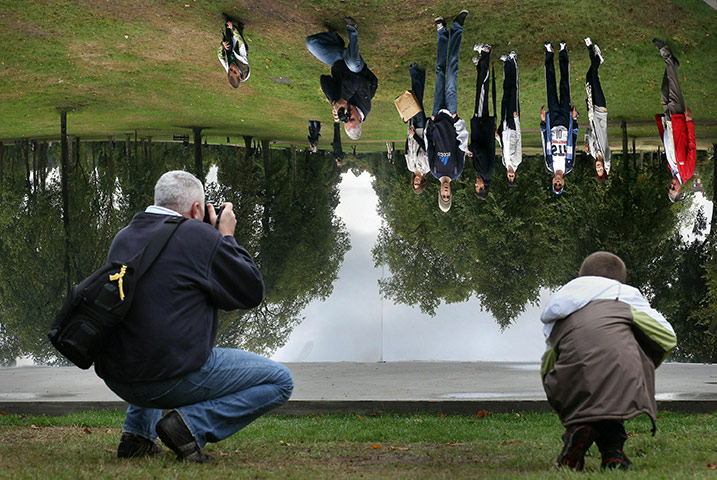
162 356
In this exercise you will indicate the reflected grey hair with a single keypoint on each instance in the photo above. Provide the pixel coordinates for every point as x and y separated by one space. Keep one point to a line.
353 133
178 190
674 198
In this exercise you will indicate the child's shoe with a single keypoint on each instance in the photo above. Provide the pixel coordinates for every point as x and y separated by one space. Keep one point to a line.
576 442
615 459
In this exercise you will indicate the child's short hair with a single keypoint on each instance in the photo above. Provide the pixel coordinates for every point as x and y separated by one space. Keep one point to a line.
604 264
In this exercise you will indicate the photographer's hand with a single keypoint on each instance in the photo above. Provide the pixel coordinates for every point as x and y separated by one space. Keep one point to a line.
228 221
335 106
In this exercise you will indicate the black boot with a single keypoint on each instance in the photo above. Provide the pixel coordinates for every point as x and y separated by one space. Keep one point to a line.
134 446
175 434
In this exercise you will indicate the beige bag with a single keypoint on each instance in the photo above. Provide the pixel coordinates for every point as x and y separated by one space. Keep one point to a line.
407 105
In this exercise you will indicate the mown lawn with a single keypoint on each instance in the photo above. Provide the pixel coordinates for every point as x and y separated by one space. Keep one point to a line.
353 446
151 66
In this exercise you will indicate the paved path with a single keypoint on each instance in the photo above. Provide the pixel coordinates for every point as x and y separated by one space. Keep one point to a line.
401 387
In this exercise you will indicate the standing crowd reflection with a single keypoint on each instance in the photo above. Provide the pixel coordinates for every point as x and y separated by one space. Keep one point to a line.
440 143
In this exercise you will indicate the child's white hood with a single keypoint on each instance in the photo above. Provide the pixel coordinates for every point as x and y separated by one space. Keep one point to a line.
577 293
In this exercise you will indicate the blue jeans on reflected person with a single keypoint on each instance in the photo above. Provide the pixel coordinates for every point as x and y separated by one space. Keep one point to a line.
446 93
231 390
329 48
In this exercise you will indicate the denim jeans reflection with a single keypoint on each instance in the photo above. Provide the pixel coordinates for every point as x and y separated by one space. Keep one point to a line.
446 94
329 48
230 391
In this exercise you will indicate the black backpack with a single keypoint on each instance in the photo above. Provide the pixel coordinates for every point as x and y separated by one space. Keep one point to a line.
98 304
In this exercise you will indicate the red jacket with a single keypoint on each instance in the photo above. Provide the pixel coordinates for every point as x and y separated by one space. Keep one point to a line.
683 134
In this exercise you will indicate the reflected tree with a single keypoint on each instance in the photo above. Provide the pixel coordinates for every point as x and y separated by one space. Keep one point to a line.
506 250
285 211
286 219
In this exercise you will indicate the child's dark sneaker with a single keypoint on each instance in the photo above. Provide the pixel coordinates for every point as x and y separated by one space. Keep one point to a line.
616 459
576 441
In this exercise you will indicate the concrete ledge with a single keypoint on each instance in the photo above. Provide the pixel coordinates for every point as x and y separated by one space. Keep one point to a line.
295 408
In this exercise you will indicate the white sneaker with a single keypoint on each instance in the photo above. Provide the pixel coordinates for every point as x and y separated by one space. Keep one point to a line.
563 46
548 47
597 51
476 60
504 58
478 47
513 55
588 42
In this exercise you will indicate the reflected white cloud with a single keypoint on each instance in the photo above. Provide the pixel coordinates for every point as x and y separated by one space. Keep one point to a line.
356 325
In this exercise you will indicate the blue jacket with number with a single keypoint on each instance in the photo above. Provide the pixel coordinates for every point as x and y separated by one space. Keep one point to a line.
549 147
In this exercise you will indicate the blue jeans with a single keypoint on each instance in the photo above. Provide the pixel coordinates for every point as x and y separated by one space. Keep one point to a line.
230 391
446 93
329 48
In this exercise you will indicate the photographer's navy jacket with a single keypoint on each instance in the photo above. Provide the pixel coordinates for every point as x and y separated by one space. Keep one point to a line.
356 88
171 327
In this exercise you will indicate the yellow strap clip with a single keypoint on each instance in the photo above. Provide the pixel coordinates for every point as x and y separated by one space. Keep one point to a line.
118 277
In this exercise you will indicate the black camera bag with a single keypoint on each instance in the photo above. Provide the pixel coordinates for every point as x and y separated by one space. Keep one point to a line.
96 305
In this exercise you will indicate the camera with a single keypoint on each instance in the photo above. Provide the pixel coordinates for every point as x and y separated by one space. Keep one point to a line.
344 114
217 210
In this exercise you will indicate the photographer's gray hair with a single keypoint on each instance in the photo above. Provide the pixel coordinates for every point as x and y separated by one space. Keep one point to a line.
178 190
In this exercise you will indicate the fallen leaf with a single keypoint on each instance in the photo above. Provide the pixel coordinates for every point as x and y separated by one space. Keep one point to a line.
108 431
87 430
506 442
223 454
109 450
443 416
376 445
453 444
399 448
712 466
360 417
481 413
3 412
284 443
35 427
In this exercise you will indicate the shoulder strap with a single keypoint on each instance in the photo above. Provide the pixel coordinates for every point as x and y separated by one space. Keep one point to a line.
149 254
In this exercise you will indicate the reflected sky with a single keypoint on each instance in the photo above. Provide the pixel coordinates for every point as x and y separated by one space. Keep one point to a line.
356 324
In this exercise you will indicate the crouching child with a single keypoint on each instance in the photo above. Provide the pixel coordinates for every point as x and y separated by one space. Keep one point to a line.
604 342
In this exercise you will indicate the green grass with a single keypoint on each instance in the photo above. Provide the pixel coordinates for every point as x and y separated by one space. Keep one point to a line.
151 66
352 446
